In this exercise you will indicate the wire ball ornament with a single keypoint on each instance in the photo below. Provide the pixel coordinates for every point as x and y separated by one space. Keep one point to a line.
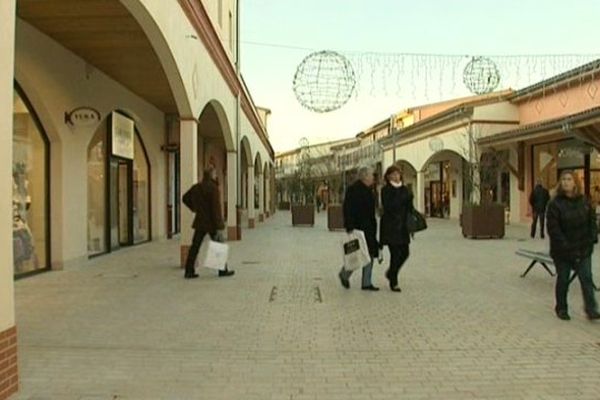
324 81
481 75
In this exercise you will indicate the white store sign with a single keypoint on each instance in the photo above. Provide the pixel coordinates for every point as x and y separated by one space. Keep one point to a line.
123 131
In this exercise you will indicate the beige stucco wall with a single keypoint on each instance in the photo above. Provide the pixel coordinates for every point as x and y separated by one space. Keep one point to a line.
561 102
222 26
55 81
7 305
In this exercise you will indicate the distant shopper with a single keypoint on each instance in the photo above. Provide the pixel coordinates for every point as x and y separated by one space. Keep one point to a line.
573 233
538 200
397 202
359 213
203 199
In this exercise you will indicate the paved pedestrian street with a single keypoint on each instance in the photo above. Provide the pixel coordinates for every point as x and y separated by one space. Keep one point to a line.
465 326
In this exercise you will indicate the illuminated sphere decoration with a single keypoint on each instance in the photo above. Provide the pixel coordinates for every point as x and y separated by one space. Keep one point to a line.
324 81
481 75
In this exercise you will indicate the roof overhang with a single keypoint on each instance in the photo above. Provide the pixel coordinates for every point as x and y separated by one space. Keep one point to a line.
584 126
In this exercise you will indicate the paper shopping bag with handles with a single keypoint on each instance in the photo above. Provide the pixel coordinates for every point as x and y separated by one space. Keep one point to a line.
356 252
212 254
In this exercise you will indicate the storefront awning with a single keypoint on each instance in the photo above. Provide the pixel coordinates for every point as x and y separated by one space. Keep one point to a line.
584 126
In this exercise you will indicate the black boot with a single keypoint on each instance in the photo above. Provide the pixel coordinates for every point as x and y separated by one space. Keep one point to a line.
226 272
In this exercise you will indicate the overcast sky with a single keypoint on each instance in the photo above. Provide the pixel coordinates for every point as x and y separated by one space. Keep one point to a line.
278 34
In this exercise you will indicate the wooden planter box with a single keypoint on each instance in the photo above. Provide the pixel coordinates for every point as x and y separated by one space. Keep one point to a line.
335 218
483 221
303 215
284 205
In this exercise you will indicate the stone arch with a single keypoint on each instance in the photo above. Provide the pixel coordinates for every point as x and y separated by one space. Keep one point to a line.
442 173
221 116
163 51
246 151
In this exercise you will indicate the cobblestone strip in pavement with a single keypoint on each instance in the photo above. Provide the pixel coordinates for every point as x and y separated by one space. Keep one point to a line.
464 327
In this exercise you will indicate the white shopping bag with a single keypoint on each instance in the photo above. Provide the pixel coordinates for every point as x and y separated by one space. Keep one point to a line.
356 251
212 254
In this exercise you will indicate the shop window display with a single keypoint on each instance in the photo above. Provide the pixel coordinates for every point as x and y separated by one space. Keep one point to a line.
122 199
29 198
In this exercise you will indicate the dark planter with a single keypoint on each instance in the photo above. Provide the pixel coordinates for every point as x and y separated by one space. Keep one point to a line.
335 218
485 221
303 215
284 205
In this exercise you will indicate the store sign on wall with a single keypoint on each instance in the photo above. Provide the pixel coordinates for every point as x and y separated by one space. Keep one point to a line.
123 131
82 116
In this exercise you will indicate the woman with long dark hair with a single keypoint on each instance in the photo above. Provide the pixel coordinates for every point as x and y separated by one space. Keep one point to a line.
397 202
571 222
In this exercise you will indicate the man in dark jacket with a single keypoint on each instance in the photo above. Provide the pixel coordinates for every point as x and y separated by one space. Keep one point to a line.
359 213
203 199
538 200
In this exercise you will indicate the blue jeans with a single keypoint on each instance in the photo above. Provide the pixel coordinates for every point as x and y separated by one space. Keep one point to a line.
584 273
366 274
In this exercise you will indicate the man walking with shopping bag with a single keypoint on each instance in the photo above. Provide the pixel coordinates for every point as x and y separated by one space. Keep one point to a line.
203 199
359 214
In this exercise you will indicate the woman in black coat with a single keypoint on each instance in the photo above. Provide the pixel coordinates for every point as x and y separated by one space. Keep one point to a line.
397 202
573 232
359 213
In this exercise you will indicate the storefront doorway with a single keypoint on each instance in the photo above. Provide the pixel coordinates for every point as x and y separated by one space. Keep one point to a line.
30 196
118 187
551 159
437 195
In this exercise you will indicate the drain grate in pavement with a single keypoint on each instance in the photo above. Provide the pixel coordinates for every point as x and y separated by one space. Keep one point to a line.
250 262
117 276
273 294
318 295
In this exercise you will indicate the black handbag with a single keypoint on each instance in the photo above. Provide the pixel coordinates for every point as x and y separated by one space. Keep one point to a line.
415 221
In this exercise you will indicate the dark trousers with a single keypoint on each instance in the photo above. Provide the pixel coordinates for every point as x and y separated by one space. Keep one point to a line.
541 215
399 253
584 272
193 253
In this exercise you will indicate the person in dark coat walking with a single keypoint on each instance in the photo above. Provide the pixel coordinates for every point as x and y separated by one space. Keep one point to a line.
203 199
573 233
538 200
397 202
359 213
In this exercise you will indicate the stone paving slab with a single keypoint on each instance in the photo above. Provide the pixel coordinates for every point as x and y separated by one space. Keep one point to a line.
465 326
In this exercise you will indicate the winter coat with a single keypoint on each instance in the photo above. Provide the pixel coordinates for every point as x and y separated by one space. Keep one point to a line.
572 228
204 200
397 203
539 199
359 213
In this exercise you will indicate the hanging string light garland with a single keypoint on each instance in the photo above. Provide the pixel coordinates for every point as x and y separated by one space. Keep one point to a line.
325 80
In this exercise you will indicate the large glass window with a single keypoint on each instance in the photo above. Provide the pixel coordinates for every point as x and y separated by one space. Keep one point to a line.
141 194
97 192
30 191
550 159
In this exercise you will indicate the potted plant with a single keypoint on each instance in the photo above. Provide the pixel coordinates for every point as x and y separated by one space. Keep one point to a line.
481 217
302 189
283 189
335 212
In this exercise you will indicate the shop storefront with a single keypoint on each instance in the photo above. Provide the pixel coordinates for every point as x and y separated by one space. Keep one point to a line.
118 187
31 205
552 158
437 189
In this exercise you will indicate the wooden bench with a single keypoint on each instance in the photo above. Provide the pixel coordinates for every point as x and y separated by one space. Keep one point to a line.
544 259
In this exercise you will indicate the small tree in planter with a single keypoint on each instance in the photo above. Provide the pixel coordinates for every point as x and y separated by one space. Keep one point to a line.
481 217
303 209
335 213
